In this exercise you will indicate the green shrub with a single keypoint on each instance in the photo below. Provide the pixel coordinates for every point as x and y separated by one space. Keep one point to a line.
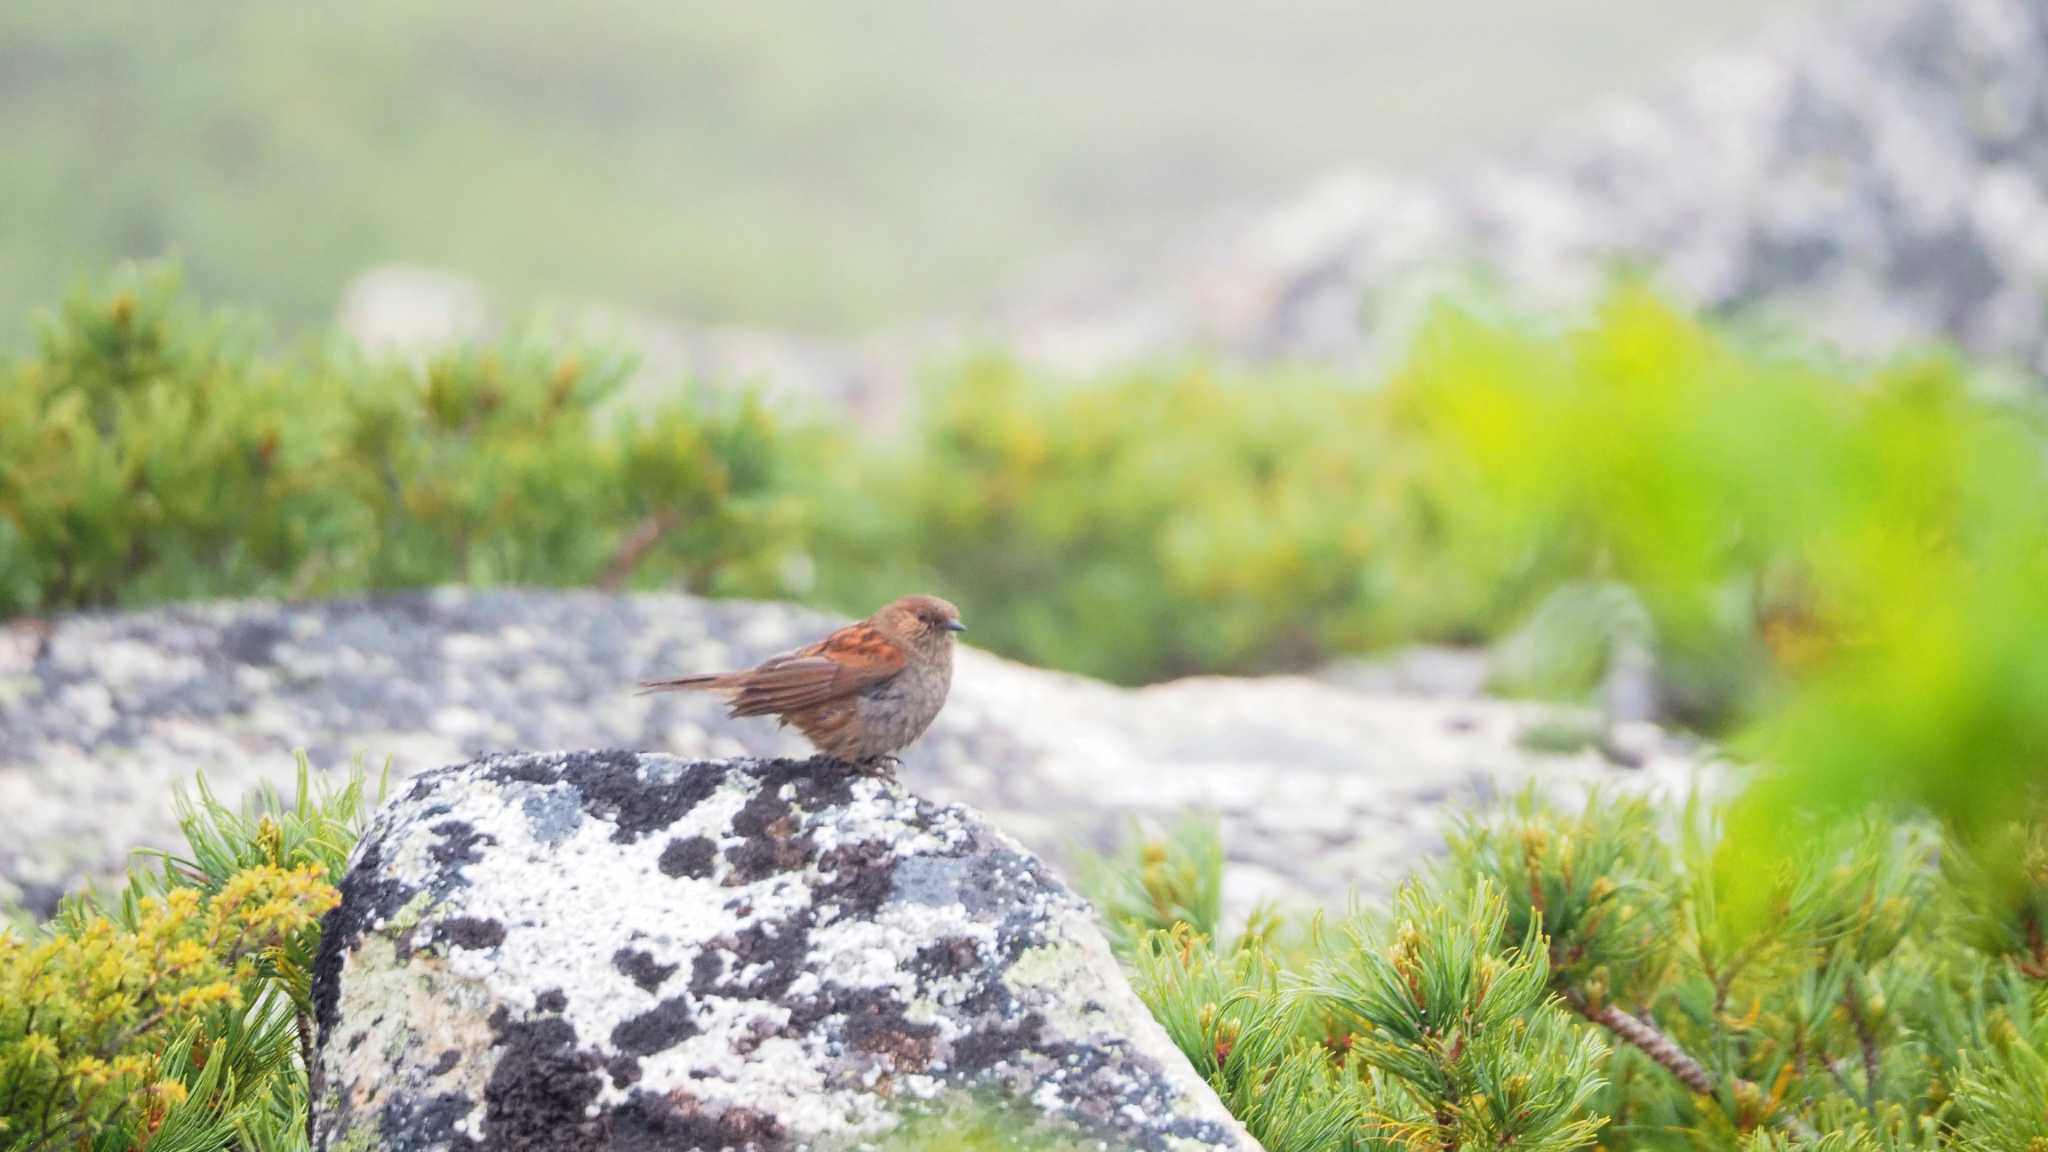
1567 974
176 1017
151 452
1149 525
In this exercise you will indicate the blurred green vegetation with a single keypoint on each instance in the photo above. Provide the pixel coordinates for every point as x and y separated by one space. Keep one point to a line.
1839 568
1156 524
1570 976
150 452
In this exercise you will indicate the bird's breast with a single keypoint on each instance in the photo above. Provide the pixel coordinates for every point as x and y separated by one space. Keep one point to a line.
898 710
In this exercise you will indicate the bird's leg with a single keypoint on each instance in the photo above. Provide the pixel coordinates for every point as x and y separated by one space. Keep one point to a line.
880 765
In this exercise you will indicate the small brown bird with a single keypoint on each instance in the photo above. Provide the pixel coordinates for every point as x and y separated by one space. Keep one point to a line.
859 694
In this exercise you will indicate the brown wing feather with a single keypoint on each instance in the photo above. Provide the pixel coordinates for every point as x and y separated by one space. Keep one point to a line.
842 665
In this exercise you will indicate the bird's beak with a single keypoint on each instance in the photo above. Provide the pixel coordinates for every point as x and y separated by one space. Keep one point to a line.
954 626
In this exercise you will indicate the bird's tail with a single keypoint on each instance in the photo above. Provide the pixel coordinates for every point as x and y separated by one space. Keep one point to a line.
704 682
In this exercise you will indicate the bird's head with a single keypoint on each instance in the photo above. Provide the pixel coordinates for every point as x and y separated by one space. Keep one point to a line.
926 623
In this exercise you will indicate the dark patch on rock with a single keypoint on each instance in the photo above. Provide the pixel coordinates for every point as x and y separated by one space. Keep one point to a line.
779 949
769 842
553 1000
446 1062
661 1027
524 770
860 877
947 957
41 901
471 932
614 787
875 1024
251 641
424 783
991 1046
414 1124
641 968
457 845
817 783
705 971
693 858
624 1071
539 1089
366 899
648 1123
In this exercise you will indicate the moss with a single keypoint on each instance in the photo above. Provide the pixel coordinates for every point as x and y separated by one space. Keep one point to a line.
962 1122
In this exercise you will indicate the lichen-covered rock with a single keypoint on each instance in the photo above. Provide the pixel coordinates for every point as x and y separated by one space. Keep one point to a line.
611 949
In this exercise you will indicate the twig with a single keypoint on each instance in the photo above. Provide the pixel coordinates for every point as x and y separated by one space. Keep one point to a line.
634 548
2034 965
1651 1041
1447 1129
1852 1001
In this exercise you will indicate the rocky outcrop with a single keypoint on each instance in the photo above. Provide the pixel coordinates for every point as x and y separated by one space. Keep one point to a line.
1874 174
1320 787
595 950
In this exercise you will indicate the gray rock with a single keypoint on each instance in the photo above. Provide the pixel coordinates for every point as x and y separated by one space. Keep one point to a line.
607 949
1873 174
1320 789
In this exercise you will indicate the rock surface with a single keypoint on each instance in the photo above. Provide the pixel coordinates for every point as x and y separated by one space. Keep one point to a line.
1320 788
1874 174
593 950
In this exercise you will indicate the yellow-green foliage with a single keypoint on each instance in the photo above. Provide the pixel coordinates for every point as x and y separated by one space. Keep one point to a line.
1871 547
148 451
1574 972
173 1017
89 1006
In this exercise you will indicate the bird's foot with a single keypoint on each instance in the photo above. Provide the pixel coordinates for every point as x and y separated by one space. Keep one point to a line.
882 766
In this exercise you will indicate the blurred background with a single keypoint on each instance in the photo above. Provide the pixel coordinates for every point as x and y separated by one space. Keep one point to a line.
827 170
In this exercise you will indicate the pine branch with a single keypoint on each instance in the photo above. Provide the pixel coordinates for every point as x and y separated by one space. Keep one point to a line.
1648 1039
1666 1052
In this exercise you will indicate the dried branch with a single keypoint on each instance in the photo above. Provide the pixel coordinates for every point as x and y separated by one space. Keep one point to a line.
634 548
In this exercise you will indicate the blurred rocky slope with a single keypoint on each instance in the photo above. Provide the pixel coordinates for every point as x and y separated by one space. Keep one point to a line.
1319 787
1873 175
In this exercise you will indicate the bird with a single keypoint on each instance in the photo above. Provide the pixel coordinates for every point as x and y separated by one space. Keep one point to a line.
861 694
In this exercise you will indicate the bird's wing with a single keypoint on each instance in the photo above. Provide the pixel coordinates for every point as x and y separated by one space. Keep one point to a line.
846 663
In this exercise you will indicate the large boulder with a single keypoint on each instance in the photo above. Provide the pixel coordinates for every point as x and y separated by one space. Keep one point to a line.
1321 788
614 950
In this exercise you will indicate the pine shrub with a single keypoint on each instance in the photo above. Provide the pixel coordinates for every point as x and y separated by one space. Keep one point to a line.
150 451
1568 977
177 1016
